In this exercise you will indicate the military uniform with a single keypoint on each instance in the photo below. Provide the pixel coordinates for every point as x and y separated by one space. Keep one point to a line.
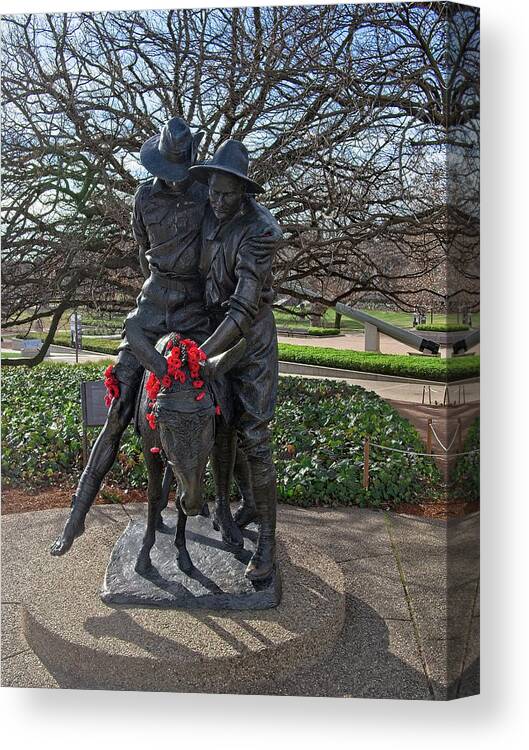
236 265
167 227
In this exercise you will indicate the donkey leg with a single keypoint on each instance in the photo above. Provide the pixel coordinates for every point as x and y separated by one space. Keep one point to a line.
184 561
164 499
154 491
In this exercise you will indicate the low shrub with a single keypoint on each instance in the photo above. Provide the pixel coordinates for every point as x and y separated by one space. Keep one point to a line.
422 367
318 436
413 366
442 327
313 331
316 331
465 477
98 344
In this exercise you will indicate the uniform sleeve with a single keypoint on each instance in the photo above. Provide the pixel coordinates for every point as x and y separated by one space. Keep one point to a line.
140 233
253 270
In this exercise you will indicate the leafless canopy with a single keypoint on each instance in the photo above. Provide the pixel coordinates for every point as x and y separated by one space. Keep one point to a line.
361 120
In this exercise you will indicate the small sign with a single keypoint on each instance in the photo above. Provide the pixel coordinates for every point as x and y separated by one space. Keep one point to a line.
76 331
93 403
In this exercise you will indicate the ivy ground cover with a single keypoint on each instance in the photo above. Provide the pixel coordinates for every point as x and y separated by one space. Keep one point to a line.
318 437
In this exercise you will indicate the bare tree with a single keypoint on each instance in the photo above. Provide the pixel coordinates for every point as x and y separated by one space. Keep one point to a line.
361 119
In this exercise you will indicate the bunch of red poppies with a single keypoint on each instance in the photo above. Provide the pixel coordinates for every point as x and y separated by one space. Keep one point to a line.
178 352
111 384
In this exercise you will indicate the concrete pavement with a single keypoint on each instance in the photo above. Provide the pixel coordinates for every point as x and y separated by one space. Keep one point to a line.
411 626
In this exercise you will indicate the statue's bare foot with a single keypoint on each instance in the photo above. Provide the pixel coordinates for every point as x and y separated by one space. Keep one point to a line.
73 528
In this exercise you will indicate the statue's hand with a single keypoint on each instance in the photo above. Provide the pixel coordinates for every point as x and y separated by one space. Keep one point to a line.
207 370
160 367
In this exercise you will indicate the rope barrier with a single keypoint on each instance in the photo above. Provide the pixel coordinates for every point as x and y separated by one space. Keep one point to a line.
446 449
415 453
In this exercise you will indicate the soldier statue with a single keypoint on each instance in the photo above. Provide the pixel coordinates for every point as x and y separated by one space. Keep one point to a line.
239 241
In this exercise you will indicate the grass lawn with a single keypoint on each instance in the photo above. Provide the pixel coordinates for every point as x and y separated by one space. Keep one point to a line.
10 354
401 319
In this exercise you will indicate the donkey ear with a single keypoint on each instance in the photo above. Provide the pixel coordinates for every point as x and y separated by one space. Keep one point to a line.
223 362
195 144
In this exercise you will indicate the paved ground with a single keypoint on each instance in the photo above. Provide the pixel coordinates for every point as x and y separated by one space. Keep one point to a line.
412 618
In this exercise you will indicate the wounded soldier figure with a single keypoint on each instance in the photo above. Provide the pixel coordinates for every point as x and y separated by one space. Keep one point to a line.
166 221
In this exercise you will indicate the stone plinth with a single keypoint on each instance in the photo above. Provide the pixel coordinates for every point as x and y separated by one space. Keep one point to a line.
83 643
216 582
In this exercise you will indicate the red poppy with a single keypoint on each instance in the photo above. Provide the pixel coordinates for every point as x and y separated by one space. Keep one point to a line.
155 449
200 396
218 411
111 385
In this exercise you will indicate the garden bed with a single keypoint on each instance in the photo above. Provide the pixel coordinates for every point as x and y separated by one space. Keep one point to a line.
412 366
318 437
442 327
19 500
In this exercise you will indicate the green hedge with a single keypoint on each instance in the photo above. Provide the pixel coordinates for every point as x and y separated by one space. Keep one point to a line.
318 436
423 367
90 343
316 331
313 331
442 328
413 366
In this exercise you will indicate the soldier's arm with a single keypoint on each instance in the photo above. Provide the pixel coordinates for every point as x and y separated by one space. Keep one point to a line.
252 269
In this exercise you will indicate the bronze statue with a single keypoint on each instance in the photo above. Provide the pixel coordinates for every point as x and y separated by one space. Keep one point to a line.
177 419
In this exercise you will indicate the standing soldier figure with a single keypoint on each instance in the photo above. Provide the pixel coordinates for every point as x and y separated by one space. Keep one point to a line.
240 238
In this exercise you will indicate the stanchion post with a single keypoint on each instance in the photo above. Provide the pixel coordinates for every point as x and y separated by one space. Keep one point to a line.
429 436
366 464
460 435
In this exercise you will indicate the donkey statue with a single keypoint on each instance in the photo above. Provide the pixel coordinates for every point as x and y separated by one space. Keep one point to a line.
178 421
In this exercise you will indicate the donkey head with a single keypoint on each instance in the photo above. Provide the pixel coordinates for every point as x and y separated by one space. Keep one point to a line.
183 411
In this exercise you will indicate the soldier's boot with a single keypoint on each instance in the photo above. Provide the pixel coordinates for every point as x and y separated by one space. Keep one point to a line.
262 564
246 512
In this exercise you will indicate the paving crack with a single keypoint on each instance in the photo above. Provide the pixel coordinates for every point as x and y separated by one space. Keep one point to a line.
17 653
467 639
409 604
